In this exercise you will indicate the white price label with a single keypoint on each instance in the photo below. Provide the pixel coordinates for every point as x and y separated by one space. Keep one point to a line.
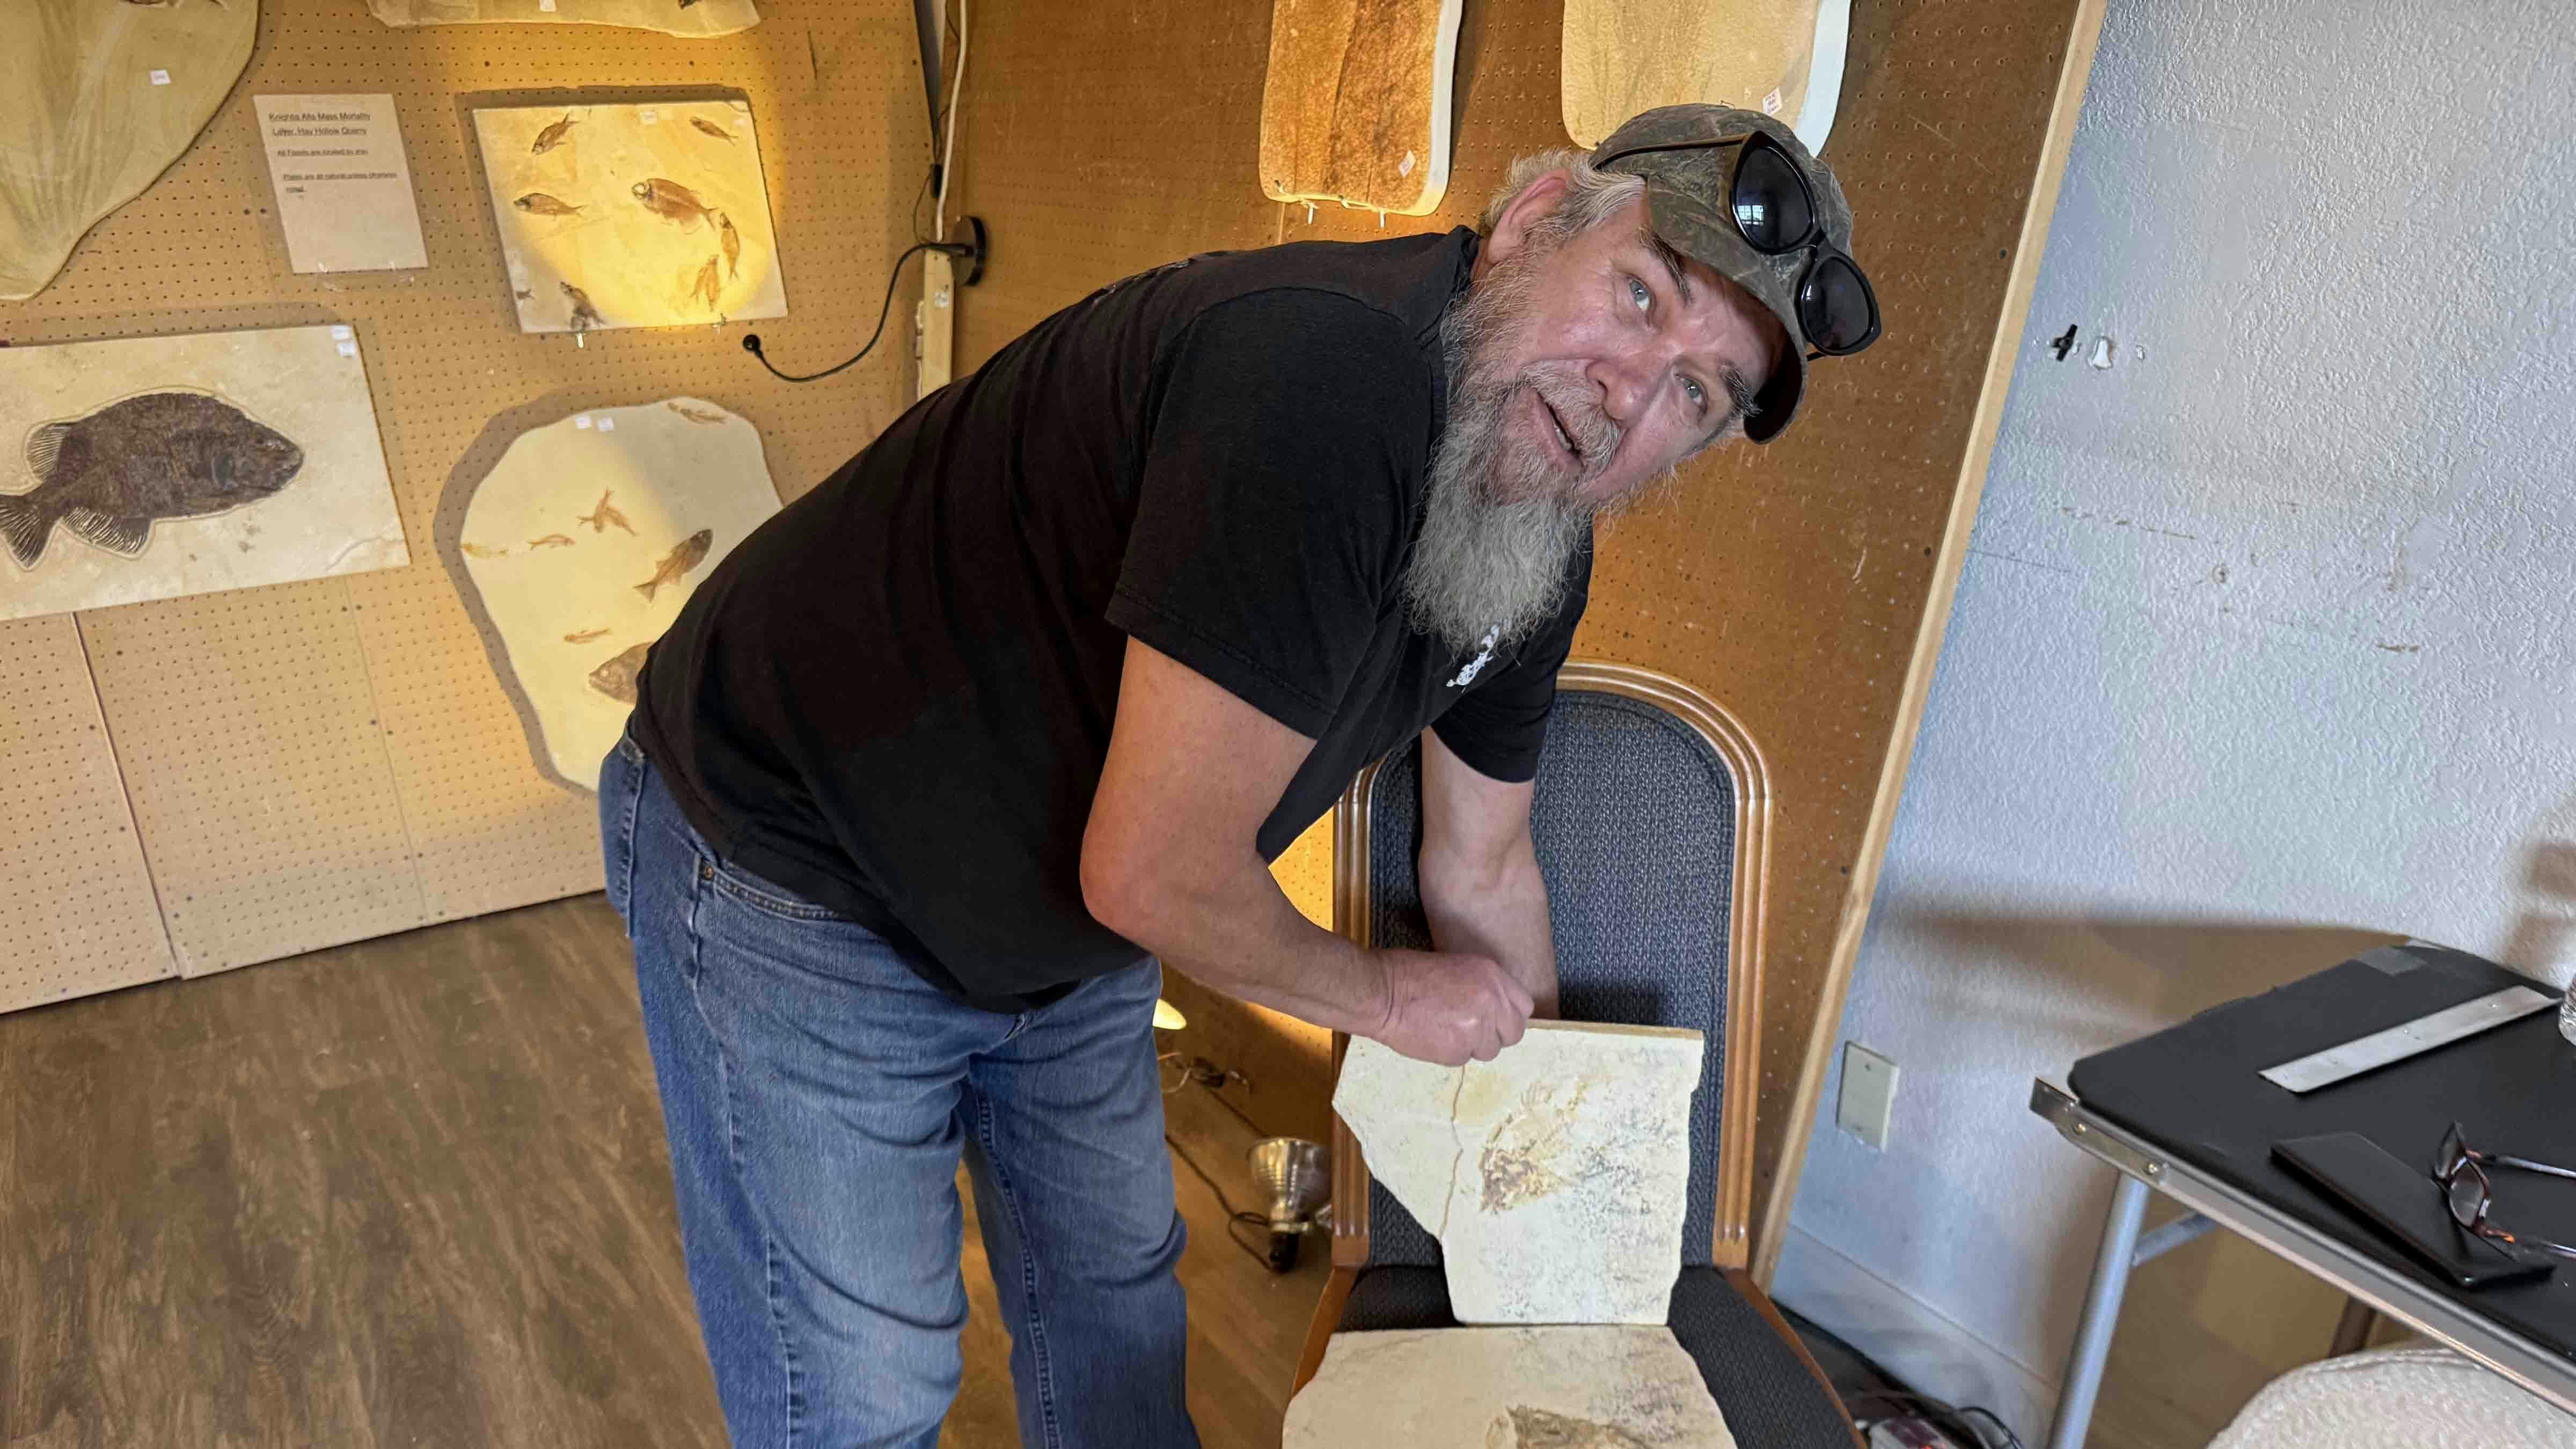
340 334
160 77
582 422
608 425
348 349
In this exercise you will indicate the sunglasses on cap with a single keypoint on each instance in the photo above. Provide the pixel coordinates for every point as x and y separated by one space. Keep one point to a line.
1775 211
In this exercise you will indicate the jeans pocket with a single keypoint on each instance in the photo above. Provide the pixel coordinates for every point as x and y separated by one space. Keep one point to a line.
769 900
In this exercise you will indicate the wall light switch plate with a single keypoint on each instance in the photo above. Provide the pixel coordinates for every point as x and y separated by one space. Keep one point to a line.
1868 1095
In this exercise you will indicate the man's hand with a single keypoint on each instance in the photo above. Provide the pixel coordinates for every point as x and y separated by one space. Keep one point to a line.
1450 1008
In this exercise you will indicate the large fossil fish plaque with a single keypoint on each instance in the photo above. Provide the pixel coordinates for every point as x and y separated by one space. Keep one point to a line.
146 468
631 215
586 538
97 98
685 18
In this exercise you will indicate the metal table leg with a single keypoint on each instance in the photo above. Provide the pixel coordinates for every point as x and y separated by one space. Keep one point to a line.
2101 1315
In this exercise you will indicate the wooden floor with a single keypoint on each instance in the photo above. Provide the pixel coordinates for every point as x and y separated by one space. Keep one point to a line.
413 1192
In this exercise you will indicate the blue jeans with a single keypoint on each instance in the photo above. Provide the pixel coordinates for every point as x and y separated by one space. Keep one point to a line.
818 1097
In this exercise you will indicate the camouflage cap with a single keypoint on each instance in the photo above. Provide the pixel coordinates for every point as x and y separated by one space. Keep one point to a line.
1687 174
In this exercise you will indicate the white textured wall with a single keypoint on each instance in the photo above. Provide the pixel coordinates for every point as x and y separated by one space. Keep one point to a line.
2268 633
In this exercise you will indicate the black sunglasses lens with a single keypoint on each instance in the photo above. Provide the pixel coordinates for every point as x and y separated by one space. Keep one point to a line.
2468 1195
1771 205
1835 307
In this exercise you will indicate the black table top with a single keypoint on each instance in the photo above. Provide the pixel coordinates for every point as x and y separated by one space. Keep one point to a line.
2193 1090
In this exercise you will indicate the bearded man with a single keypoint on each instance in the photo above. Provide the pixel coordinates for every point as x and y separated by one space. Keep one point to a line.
942 761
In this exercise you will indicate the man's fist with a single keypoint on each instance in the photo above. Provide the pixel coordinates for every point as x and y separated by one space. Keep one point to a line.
1450 1008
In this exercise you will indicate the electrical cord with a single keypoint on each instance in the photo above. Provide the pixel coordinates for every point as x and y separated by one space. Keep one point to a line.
948 132
1948 1418
751 343
1234 1217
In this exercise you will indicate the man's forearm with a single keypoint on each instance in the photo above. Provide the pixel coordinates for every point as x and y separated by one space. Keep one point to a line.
1232 929
1496 909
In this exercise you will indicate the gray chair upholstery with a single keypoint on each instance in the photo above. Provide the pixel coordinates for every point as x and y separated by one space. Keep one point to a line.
1635 827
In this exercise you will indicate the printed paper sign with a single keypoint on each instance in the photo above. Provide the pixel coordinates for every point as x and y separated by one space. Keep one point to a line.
343 185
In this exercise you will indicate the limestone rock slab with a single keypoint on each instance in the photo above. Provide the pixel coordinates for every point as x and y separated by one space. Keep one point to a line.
1555 1175
150 467
685 18
96 100
1588 1387
631 215
587 537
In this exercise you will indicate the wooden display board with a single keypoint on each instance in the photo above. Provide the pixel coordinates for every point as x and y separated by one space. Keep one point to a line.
315 762
1805 584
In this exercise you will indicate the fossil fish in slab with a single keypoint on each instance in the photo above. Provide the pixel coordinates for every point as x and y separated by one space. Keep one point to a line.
732 244
616 678
538 203
691 552
671 201
605 514
553 135
584 316
711 128
110 476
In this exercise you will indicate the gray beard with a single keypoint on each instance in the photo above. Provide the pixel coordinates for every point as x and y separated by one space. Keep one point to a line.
1499 524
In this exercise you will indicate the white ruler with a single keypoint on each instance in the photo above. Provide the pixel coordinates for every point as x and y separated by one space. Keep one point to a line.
2397 1043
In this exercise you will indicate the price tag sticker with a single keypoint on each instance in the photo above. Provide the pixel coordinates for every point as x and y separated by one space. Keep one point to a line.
608 425
160 77
649 116
582 422
348 349
340 334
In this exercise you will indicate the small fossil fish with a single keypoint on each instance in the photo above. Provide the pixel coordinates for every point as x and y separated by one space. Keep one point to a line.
553 136
711 128
584 636
476 550
671 201
584 316
616 678
708 286
537 203
685 4
732 244
112 475
691 552
523 294
551 540
693 415
599 518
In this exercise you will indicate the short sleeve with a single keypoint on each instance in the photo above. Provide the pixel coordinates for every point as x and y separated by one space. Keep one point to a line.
1275 499
1498 726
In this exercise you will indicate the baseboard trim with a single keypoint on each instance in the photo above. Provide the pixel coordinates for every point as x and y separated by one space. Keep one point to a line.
1908 1337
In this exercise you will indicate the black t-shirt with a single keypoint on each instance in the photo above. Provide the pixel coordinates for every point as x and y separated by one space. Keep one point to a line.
894 698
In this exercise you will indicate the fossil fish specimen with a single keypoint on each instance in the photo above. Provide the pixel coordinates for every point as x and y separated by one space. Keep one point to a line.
732 244
671 201
693 415
584 636
538 203
553 135
115 473
551 540
584 316
476 550
691 552
709 284
599 518
616 678
711 128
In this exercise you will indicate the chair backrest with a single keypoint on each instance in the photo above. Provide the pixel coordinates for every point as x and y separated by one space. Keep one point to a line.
1649 821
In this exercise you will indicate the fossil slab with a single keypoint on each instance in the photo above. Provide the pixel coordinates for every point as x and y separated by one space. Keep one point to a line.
149 467
1555 1175
1588 1387
687 18
1356 101
631 215
96 100
584 541
1783 58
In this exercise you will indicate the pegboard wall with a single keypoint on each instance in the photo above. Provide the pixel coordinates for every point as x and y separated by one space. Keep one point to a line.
1803 584
317 762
